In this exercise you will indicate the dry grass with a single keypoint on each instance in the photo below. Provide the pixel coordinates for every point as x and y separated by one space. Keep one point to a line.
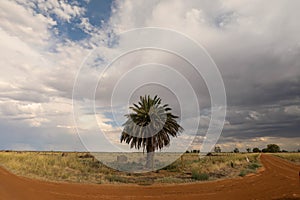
222 165
54 166
81 167
294 157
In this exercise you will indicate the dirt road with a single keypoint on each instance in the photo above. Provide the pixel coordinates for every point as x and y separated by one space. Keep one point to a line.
279 180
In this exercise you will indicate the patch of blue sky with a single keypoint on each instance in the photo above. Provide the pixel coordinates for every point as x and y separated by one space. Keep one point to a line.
99 10
96 11
112 121
70 30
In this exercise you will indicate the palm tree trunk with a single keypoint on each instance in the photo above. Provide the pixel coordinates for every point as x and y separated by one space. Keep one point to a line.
150 156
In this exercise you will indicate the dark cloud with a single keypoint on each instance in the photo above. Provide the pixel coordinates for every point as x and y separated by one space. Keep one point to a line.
260 121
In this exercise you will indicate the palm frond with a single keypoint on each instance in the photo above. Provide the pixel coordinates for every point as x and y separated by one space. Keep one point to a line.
150 125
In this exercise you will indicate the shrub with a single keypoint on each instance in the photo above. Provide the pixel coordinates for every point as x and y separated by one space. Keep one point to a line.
200 176
243 173
217 149
236 150
253 166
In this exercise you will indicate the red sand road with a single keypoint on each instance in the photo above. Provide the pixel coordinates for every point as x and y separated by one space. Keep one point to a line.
279 180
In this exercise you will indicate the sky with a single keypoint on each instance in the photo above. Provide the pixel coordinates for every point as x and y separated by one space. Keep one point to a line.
56 95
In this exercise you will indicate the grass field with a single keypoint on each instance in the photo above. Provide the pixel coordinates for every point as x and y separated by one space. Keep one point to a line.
84 168
293 157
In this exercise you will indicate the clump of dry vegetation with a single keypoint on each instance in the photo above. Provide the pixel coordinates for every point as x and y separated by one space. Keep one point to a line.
84 168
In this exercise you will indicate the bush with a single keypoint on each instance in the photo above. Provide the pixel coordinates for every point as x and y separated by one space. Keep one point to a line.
200 176
236 150
243 173
265 150
273 148
253 166
209 154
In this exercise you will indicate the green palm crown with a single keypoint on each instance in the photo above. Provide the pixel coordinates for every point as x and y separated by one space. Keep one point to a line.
150 125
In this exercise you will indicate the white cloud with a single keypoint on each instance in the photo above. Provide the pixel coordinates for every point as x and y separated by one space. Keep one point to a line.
23 24
65 10
292 110
33 76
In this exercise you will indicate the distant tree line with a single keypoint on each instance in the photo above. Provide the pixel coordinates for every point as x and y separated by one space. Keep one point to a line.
193 151
271 148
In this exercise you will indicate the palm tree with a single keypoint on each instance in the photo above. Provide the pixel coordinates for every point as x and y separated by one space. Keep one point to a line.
150 126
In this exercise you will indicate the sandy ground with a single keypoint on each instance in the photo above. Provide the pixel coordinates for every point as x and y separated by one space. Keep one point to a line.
278 180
